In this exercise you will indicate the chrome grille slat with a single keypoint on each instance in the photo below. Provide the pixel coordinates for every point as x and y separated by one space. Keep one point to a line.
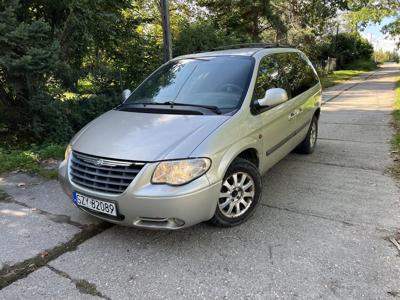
74 167
135 169
99 180
112 176
98 188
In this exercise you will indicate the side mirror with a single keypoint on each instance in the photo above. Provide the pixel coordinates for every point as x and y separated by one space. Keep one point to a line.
125 94
273 97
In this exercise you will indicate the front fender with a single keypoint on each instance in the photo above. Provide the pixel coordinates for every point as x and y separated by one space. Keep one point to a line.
223 159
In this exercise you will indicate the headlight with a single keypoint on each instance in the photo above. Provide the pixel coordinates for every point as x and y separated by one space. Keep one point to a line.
178 172
67 151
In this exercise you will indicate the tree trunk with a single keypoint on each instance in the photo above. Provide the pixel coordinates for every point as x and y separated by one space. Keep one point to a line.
255 29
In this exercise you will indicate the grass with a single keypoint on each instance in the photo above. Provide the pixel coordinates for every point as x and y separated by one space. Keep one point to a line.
396 136
34 160
351 70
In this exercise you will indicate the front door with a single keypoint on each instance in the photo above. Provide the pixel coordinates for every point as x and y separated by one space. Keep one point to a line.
279 122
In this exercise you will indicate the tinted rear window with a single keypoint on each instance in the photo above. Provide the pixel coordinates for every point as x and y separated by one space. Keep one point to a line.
299 73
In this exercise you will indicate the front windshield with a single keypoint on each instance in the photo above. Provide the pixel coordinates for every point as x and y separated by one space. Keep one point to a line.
220 81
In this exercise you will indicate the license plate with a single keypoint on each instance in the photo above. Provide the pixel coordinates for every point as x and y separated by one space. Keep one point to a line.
104 207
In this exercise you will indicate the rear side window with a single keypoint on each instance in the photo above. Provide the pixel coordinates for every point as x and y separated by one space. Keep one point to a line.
298 71
270 75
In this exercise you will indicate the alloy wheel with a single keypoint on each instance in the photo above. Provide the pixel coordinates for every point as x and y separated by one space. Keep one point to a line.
313 134
236 195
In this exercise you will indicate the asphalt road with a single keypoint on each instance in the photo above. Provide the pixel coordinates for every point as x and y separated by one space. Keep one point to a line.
322 231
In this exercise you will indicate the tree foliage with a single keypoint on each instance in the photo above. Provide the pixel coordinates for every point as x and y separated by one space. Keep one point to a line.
64 62
347 47
363 12
248 17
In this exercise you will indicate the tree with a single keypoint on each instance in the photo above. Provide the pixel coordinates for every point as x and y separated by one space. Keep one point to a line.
347 47
246 18
29 60
64 62
200 36
363 12
393 29
47 46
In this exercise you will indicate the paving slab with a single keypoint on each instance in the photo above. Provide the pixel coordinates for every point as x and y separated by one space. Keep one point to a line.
355 133
276 255
354 116
44 194
344 193
42 285
25 233
333 91
348 154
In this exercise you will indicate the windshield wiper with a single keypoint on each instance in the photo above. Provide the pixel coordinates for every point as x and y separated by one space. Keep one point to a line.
215 109
210 107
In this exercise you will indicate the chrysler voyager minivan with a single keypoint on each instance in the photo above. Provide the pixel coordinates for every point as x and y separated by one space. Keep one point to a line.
191 142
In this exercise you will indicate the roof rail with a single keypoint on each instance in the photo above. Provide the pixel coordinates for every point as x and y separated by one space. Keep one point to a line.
252 45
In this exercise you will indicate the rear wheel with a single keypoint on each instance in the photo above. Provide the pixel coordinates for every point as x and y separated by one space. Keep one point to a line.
239 195
307 146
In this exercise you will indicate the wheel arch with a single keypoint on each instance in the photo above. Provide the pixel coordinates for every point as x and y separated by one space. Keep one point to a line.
251 155
317 112
248 149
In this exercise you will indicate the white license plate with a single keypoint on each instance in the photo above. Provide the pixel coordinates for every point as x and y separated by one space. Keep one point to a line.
104 207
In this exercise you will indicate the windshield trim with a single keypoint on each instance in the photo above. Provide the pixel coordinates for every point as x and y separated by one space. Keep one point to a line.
246 85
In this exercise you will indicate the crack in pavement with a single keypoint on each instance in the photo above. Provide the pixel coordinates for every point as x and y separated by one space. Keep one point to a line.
336 165
395 294
10 274
83 286
4 197
357 124
343 222
341 140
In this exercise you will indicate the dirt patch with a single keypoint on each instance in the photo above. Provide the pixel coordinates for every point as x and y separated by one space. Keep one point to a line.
83 286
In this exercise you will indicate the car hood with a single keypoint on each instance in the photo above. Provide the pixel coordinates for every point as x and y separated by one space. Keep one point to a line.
143 136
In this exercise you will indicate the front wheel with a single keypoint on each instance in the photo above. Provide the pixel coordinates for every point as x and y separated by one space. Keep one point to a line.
239 195
307 146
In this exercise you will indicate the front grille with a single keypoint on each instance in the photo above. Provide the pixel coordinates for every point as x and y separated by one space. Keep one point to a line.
102 174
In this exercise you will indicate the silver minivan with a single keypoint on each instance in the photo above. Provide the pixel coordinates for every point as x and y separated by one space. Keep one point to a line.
191 142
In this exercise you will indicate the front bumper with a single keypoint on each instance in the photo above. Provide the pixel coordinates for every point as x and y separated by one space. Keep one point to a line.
151 206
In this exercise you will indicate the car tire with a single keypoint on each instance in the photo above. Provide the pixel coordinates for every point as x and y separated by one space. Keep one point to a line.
239 195
307 146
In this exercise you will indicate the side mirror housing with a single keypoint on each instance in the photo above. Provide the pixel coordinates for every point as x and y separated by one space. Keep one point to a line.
125 94
273 97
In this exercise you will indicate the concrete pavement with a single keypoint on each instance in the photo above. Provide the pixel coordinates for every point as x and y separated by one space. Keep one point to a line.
321 232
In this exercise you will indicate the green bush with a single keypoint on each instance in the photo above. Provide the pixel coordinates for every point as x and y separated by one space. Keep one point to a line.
31 159
53 120
361 65
347 48
84 109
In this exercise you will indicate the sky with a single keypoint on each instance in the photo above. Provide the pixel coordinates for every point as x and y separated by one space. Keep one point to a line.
377 38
